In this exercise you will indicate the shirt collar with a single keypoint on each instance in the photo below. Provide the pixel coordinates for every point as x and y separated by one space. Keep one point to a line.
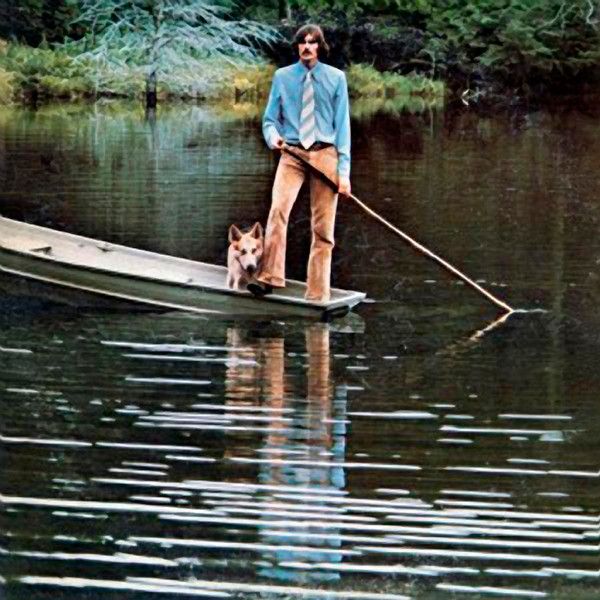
302 70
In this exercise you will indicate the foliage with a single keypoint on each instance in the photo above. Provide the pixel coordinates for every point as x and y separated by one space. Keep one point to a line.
250 84
364 81
163 36
520 43
6 78
43 72
471 43
7 91
515 40
238 88
188 45
36 21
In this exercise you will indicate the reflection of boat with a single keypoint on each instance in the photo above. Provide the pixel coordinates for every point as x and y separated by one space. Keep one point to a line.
148 278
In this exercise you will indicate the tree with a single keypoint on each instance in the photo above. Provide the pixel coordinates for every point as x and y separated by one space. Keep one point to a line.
163 36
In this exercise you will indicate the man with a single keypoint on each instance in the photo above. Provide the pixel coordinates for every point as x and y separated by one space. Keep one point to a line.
308 109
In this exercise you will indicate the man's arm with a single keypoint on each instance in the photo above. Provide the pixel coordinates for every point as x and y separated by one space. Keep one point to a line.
271 116
341 121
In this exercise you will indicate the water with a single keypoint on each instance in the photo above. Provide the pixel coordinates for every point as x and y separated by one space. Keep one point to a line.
414 449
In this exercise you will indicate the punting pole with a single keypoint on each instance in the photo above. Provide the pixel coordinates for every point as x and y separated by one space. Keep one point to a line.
409 240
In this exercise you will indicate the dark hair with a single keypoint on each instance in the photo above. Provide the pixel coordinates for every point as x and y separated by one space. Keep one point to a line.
317 34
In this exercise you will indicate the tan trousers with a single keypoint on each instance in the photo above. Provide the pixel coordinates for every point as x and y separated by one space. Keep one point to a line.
291 174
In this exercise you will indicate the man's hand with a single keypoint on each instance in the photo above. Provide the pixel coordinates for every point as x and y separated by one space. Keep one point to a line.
344 186
278 143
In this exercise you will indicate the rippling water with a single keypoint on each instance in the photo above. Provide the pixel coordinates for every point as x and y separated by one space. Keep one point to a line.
410 450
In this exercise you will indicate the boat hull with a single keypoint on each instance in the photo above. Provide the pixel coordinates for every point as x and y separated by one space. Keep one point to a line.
134 276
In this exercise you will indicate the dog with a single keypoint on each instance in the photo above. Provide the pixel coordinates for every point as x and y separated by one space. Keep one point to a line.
243 255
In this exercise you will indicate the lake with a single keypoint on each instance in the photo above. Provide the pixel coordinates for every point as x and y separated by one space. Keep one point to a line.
415 448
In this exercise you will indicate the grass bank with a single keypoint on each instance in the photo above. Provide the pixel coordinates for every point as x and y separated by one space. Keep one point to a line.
41 74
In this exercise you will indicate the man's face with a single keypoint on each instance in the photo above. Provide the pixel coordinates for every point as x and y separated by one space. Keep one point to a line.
308 49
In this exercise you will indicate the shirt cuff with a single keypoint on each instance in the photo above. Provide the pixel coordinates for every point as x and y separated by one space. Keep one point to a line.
271 137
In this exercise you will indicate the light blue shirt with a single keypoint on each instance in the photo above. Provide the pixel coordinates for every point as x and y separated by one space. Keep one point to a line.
332 116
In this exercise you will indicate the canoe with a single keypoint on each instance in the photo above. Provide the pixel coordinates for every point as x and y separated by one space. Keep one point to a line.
147 278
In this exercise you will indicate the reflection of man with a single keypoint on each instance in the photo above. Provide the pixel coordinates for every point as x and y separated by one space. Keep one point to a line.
303 452
307 454
307 108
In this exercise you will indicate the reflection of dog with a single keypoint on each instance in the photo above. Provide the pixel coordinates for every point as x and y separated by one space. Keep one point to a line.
243 256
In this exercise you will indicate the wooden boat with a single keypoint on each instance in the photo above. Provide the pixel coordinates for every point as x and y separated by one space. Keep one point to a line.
147 278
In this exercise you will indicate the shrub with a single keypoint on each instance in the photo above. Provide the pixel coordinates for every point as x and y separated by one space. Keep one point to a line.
44 72
366 81
7 89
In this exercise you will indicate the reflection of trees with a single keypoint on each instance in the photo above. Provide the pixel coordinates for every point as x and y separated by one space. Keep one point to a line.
179 176
303 448
172 185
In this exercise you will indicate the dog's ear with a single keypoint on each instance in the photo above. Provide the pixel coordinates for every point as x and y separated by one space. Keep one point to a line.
257 230
235 235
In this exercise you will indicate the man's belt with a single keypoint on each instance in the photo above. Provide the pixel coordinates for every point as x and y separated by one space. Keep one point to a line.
316 146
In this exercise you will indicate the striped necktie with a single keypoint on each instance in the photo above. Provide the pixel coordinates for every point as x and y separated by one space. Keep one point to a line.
308 126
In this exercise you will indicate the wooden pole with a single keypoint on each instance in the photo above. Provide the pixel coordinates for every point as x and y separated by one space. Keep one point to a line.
409 240
420 248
